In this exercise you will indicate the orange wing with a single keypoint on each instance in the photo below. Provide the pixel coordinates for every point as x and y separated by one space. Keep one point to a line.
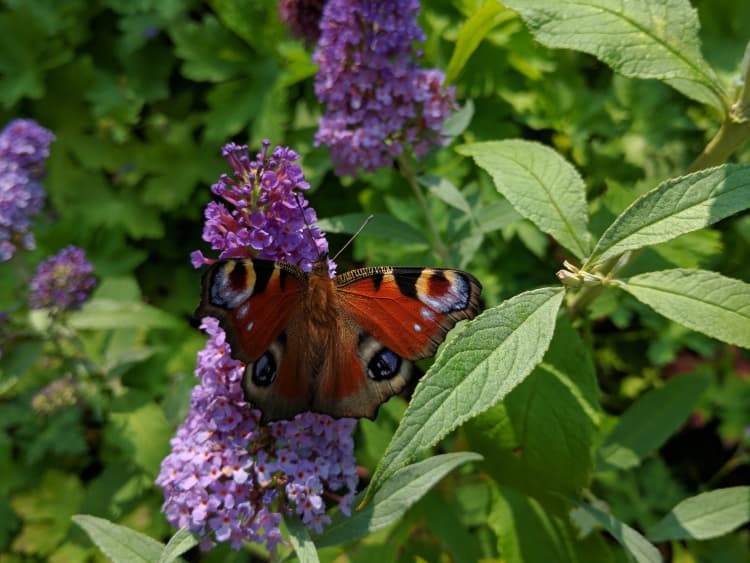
253 300
408 310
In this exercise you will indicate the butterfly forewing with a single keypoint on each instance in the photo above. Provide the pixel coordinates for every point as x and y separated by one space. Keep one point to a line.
253 300
408 310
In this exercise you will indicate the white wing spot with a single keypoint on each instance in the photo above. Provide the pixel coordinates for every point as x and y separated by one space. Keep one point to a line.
417 327
427 314
250 326
243 311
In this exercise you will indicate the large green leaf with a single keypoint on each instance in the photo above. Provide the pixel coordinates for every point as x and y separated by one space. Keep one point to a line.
393 499
549 420
541 185
704 301
638 38
705 516
648 423
635 543
676 207
480 363
118 543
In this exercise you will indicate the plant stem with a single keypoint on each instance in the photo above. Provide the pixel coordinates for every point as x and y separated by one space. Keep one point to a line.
731 135
408 172
734 131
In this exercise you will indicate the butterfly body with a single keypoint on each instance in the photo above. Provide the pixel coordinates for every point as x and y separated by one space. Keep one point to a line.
338 346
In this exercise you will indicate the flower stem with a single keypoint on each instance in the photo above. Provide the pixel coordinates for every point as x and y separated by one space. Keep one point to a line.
409 173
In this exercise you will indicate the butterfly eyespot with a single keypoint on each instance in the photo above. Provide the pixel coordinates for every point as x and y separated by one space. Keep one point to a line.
385 364
264 370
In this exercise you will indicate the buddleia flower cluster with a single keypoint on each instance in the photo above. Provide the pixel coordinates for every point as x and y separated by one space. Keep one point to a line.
262 212
62 282
379 103
24 146
229 478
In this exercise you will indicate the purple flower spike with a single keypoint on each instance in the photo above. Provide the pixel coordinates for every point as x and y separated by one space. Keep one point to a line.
378 102
63 281
229 478
263 213
24 146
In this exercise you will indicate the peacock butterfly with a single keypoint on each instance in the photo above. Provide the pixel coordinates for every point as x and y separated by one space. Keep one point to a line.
337 346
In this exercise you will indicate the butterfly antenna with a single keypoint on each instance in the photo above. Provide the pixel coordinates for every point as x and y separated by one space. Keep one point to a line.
361 228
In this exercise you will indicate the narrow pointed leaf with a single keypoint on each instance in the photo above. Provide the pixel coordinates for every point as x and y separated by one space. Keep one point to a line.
393 499
300 539
704 301
705 516
118 543
648 423
178 544
541 185
639 39
676 207
477 367
638 546
470 36
445 190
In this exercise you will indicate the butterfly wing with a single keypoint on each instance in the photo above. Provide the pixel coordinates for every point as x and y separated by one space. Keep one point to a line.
408 310
389 318
255 301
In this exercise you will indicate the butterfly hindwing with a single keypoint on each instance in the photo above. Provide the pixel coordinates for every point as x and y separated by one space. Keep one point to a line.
408 310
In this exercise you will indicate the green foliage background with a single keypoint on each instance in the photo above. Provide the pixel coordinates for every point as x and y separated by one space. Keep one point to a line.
142 95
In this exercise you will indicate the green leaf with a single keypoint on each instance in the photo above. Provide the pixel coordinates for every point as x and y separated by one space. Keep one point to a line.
300 540
118 543
382 226
497 215
549 420
704 301
479 364
705 516
446 191
178 544
648 423
403 489
541 185
457 122
675 207
527 532
140 430
107 314
470 36
635 543
638 39
46 510
209 52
